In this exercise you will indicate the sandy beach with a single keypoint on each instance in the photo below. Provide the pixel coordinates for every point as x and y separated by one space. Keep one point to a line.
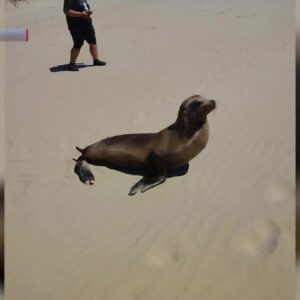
298 148
2 84
223 231
2 75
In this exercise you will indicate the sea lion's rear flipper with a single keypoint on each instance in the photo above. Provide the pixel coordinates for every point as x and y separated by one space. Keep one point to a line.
84 173
146 183
79 149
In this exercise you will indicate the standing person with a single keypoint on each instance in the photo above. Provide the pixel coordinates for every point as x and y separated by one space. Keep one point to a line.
78 14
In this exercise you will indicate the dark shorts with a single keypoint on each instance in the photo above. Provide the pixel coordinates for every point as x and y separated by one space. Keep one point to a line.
81 33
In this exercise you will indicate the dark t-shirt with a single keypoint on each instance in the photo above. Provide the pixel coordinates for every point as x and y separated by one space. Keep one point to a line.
77 5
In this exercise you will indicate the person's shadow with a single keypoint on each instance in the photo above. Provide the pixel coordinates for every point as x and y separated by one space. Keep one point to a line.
63 68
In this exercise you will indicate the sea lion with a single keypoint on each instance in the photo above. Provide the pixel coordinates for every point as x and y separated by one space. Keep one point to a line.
154 153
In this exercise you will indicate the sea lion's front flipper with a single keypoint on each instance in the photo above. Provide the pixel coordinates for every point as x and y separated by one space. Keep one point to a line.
146 183
84 173
157 174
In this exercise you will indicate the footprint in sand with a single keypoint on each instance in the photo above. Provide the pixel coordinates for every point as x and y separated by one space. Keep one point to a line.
161 256
258 239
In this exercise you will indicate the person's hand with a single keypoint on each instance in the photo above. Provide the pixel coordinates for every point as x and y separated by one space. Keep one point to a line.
86 14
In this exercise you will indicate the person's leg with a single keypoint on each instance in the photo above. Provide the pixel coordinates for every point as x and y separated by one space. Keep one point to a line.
91 39
78 40
94 51
74 55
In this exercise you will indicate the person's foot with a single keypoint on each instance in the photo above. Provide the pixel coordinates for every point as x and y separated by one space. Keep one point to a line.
72 67
98 62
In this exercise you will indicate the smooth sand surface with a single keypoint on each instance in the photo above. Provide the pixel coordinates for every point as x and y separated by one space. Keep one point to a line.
223 231
2 75
2 163
298 179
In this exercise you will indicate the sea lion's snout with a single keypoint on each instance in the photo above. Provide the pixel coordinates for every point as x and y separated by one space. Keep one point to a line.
195 109
208 106
213 104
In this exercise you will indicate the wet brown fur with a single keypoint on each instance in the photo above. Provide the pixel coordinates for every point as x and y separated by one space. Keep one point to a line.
156 153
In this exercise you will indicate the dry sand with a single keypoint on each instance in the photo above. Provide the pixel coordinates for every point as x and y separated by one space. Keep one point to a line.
298 130
2 75
225 230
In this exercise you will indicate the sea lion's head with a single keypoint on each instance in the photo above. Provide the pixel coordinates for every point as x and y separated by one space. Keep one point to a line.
195 109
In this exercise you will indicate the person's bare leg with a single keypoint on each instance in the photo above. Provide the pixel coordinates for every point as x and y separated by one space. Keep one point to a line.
74 55
94 53
73 58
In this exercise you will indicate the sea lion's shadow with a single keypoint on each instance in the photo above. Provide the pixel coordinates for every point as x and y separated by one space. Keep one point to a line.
181 171
64 68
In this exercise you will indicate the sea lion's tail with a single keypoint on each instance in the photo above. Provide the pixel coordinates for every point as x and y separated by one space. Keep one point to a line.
83 171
